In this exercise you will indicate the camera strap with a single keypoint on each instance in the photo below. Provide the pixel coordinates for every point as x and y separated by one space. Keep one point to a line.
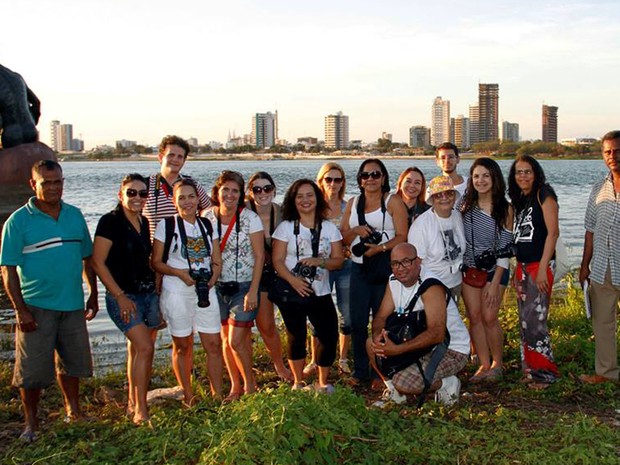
495 239
205 235
315 238
361 216
236 222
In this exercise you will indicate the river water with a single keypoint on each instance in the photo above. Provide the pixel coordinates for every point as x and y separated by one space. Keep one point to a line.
92 186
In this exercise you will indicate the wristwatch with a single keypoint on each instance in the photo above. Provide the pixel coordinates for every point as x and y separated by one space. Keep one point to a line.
384 247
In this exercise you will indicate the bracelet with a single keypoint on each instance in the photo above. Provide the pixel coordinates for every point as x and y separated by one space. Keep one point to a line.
384 247
323 263
119 294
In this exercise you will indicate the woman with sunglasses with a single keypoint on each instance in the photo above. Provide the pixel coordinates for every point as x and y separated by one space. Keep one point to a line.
383 225
121 253
411 187
331 180
306 247
487 222
535 234
243 253
186 252
261 192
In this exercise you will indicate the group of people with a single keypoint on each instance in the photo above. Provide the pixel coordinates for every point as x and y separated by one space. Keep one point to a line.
171 255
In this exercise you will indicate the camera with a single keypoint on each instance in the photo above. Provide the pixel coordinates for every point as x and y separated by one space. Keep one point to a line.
374 237
202 278
228 288
304 271
486 260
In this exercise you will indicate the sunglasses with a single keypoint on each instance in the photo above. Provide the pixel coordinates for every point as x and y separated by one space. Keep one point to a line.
266 189
329 180
365 175
131 193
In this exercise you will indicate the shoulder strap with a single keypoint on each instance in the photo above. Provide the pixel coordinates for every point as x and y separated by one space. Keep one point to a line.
422 289
169 230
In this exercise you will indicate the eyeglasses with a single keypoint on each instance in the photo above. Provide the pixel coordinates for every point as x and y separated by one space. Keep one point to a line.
405 263
329 180
266 189
523 172
444 194
131 193
365 175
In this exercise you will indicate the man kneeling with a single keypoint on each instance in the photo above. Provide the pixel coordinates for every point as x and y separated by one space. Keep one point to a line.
442 318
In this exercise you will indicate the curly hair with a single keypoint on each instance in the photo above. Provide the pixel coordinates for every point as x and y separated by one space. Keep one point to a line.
174 140
289 210
224 177
499 204
421 199
326 168
518 199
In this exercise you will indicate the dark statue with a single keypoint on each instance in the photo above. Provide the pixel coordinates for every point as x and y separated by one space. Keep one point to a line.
20 110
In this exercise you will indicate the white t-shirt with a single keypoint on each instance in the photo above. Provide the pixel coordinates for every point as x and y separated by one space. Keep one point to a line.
440 243
242 259
178 254
459 336
462 187
329 234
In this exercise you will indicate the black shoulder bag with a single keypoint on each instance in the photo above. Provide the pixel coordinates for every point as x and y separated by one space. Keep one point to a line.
377 268
402 327
281 291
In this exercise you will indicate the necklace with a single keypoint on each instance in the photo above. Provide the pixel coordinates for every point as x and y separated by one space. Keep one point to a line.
406 294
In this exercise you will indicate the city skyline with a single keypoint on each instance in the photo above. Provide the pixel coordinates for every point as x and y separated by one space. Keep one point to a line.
140 70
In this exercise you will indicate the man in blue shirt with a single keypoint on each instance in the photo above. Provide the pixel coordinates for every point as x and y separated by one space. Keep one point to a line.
46 247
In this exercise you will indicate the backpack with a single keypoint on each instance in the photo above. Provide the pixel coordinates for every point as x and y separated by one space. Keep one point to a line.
169 230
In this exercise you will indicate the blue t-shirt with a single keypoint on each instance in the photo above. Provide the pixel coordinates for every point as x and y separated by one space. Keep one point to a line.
48 254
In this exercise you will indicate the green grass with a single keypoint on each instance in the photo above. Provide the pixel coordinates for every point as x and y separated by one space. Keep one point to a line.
569 423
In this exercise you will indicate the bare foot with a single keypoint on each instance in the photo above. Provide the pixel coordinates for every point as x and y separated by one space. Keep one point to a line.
284 374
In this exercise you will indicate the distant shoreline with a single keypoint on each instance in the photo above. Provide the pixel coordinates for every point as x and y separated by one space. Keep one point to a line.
292 157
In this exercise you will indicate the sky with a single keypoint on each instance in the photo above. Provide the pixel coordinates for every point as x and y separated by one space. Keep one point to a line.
141 69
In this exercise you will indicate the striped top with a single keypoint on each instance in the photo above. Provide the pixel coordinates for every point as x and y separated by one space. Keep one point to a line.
603 220
482 229
159 202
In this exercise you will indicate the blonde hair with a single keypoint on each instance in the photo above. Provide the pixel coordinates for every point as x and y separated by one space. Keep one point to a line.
327 167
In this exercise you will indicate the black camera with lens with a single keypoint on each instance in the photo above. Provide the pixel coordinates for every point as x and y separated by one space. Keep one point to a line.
374 237
304 271
228 288
202 278
487 259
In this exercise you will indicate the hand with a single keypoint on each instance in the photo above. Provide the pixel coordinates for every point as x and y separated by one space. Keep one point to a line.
301 286
373 249
127 307
363 230
92 307
312 261
491 295
389 348
250 302
584 274
542 282
25 321
184 276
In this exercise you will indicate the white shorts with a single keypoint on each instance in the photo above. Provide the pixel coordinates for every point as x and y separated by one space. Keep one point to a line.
184 316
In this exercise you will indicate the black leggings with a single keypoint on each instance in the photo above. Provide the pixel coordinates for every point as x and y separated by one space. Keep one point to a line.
322 314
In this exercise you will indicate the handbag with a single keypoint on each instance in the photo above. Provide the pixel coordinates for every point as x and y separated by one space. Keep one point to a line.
377 268
281 291
474 277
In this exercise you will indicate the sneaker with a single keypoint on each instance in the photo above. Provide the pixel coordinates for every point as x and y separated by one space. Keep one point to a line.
390 397
310 369
448 393
343 366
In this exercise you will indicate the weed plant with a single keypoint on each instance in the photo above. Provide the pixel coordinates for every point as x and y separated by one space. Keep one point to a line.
504 423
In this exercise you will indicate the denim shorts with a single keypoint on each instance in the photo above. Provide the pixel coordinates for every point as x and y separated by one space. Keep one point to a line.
59 335
231 308
147 311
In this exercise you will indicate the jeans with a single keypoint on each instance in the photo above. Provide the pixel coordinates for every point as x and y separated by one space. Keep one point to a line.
365 298
342 280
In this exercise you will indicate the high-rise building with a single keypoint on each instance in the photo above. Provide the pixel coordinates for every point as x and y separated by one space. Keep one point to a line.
510 132
488 108
55 135
66 137
461 131
549 123
419 136
440 117
474 124
264 132
337 131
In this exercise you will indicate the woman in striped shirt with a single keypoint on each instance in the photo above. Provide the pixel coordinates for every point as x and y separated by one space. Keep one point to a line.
487 222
